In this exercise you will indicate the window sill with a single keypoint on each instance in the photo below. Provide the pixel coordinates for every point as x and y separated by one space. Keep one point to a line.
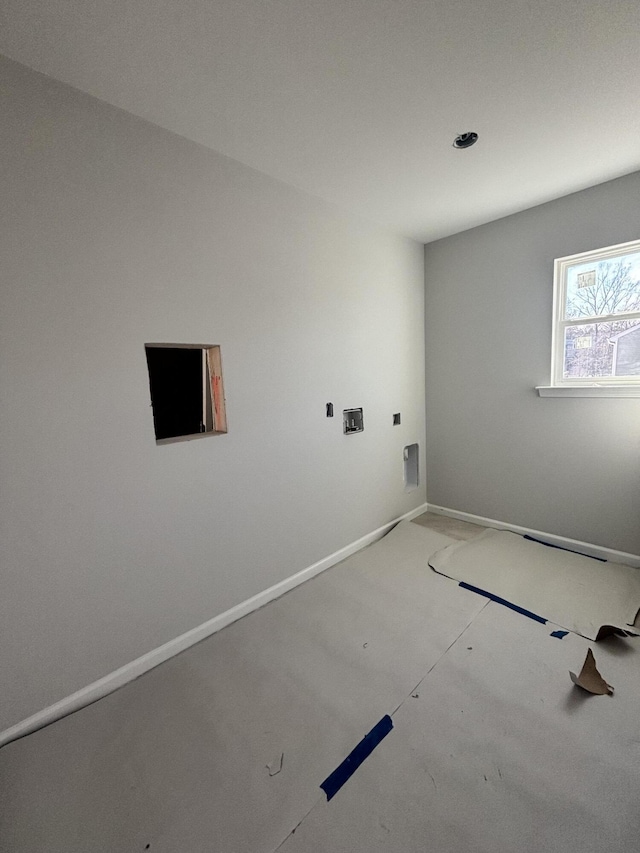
588 390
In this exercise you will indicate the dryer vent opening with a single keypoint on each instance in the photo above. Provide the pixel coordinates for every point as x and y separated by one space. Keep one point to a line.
411 476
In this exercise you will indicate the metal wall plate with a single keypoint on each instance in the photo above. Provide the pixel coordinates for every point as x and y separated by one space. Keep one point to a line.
352 420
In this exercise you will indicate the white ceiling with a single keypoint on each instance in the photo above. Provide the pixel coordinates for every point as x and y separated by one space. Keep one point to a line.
358 101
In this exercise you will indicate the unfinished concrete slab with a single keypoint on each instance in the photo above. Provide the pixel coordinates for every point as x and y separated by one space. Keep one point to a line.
453 527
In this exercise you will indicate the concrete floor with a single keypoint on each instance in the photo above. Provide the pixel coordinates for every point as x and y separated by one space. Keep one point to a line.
449 526
493 749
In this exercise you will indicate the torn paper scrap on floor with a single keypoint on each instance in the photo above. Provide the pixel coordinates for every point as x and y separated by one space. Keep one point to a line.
590 679
274 767
588 596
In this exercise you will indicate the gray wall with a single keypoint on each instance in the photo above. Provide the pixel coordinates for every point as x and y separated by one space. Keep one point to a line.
113 233
494 448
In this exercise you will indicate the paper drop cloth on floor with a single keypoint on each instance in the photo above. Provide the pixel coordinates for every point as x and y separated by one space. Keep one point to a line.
579 593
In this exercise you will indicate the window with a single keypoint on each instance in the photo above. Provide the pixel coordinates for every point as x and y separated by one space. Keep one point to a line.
187 394
596 327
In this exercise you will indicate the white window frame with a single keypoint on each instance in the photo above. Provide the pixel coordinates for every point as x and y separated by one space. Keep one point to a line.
626 385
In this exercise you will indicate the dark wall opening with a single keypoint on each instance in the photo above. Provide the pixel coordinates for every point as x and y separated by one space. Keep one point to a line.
176 381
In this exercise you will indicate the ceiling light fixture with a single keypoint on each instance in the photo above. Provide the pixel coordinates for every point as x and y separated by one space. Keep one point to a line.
465 140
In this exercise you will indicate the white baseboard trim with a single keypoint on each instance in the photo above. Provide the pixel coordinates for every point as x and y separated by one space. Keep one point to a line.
563 541
134 669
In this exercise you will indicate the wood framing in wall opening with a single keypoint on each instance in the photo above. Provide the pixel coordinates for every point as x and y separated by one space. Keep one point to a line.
187 391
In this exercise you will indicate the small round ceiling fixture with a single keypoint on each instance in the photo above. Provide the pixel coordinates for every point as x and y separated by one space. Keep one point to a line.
465 140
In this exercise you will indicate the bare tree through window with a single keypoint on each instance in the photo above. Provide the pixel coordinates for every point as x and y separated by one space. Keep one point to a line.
589 348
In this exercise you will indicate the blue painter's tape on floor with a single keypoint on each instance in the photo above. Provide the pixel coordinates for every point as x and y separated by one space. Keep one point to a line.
558 634
502 601
345 771
561 548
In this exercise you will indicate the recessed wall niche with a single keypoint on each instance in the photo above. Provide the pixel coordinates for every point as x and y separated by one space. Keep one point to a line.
187 391
411 467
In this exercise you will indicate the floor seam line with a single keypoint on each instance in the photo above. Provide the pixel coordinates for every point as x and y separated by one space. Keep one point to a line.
428 672
444 653
302 819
